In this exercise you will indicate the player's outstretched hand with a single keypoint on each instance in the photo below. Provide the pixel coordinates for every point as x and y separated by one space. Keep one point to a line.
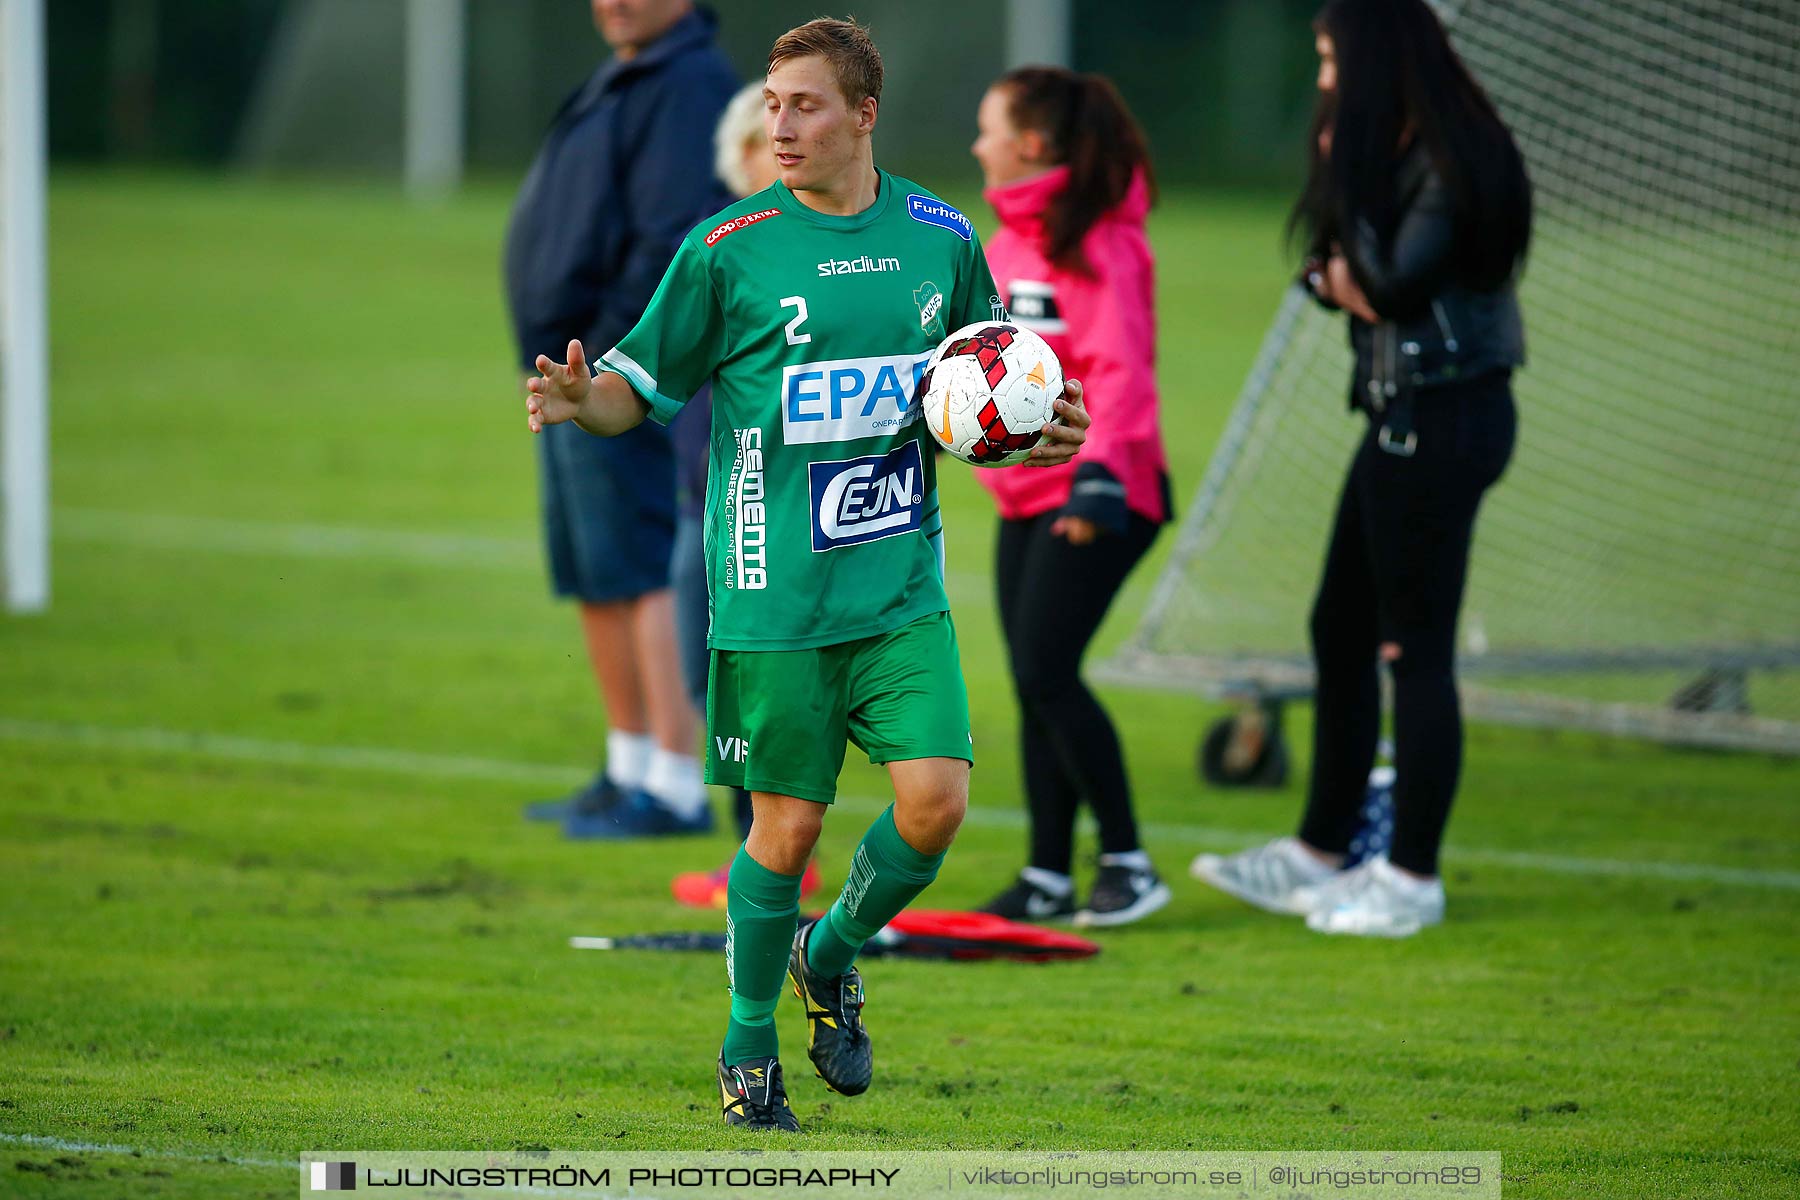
1063 436
555 395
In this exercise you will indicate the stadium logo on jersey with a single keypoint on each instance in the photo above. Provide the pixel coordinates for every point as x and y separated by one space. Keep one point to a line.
936 212
737 223
746 517
866 499
849 398
1034 306
931 309
863 265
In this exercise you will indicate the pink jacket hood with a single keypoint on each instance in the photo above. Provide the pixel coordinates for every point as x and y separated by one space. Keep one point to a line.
1103 328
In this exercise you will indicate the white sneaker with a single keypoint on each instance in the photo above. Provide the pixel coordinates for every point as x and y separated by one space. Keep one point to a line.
1268 876
1332 890
1383 903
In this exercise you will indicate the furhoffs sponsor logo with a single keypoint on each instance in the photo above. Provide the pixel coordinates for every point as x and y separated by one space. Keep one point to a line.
936 212
737 223
333 1177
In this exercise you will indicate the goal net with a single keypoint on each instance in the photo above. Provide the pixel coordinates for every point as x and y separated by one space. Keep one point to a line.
1638 568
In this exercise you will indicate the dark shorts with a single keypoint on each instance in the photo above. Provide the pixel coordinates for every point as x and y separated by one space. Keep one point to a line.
609 511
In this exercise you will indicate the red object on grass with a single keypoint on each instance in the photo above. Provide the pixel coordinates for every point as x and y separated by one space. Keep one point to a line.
706 889
943 933
925 933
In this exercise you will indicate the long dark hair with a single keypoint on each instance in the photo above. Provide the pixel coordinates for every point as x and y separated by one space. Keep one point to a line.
1089 129
1398 76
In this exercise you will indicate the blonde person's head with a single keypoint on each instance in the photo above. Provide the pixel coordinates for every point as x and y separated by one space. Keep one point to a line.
741 155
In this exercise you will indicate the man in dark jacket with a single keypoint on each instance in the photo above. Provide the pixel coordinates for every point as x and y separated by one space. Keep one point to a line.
625 172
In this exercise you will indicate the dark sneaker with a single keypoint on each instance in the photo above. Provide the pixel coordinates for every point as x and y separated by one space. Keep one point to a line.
754 1095
600 796
836 1041
639 815
1122 895
1026 901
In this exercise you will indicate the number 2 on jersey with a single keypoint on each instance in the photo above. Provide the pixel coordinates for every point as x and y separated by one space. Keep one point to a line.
794 336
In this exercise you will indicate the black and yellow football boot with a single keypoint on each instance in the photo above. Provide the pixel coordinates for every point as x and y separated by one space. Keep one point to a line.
836 1041
754 1095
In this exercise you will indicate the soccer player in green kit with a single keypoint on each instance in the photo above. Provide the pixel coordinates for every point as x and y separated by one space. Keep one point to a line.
813 306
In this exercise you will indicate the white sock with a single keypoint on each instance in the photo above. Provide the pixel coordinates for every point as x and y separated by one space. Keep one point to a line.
1052 882
628 757
675 780
1137 860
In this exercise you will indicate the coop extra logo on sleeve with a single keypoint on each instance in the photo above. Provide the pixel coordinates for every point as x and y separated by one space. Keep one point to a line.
866 499
849 398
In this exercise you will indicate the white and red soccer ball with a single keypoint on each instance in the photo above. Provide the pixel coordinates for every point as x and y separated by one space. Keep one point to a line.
987 392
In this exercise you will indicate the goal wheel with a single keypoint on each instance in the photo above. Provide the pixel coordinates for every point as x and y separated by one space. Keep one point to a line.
1246 749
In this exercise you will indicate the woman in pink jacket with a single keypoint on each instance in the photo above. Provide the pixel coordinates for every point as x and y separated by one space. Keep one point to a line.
1068 174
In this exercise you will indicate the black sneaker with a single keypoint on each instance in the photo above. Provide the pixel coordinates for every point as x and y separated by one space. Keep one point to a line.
596 798
754 1095
1026 901
1122 895
836 1041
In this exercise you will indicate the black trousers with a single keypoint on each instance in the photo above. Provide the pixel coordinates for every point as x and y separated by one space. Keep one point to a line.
1053 596
1394 572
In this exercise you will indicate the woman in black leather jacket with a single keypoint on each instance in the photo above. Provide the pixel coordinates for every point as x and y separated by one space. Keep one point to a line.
1416 216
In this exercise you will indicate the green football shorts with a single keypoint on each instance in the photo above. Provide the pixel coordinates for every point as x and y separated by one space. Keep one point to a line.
777 720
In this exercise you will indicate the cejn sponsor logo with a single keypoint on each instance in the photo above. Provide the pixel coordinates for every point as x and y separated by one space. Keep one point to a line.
863 265
848 398
736 223
936 212
866 499
747 515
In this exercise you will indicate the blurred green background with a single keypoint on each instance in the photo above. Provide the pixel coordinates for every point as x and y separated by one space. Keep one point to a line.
1221 86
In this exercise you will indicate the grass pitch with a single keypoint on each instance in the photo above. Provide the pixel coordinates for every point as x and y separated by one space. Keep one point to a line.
267 890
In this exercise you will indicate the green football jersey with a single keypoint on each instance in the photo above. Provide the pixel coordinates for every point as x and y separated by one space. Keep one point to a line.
822 521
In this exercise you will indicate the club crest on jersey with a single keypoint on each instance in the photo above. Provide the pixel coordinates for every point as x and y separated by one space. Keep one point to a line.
936 212
847 398
866 499
931 309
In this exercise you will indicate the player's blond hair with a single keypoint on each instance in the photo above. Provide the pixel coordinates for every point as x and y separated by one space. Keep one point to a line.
846 45
740 126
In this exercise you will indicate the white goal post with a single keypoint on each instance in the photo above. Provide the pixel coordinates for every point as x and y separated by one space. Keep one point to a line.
24 335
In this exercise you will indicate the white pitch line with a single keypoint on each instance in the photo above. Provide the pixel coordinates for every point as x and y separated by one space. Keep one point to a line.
66 1146
385 761
288 539
352 543
289 754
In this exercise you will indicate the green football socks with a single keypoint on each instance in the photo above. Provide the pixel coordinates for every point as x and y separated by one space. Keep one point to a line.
886 875
762 910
